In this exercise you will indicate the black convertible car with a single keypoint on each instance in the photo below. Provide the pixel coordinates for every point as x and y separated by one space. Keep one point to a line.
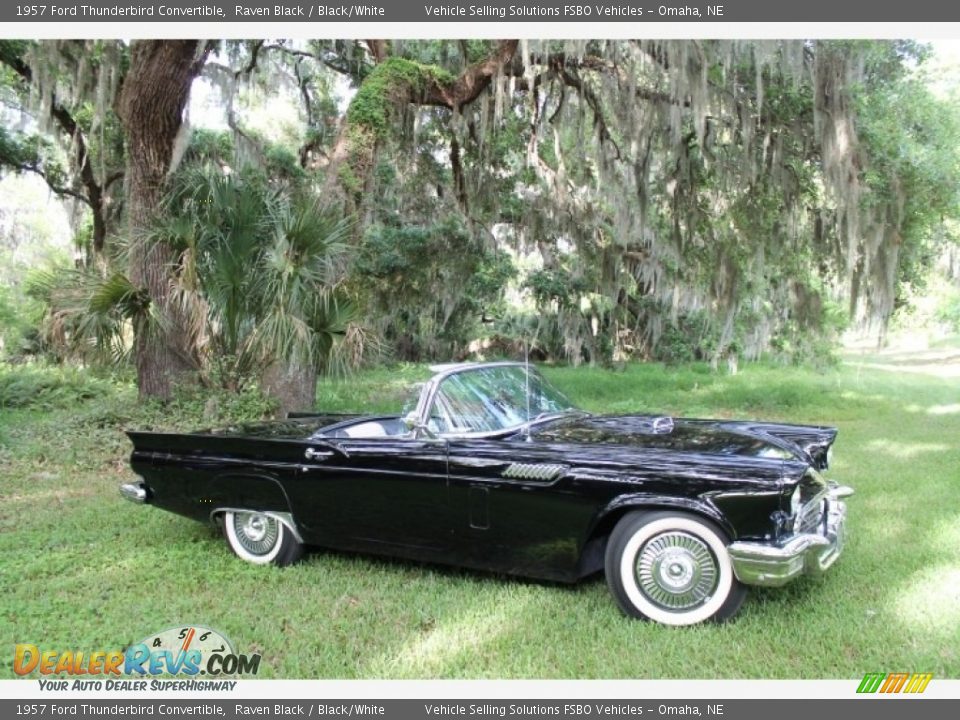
496 470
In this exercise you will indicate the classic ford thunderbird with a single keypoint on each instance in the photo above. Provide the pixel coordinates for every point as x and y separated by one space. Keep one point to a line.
496 470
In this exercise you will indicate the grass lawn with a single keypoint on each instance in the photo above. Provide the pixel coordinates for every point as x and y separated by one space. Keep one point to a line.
84 569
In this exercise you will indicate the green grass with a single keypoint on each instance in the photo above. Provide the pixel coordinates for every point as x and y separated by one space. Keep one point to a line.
82 569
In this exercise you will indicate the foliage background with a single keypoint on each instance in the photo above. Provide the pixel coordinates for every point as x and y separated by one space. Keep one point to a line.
595 201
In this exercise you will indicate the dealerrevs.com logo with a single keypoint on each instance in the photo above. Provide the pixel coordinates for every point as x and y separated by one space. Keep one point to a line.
181 652
890 683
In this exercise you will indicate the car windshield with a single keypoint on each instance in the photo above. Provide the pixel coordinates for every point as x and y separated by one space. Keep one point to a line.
494 398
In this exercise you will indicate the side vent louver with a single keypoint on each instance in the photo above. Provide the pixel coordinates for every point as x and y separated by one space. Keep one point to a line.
526 471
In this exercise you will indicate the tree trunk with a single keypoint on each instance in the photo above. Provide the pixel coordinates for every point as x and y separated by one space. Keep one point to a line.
150 106
292 385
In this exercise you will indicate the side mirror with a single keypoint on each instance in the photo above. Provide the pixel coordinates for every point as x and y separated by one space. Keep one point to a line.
412 422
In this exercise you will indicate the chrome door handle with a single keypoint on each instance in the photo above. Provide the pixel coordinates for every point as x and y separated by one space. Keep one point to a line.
320 455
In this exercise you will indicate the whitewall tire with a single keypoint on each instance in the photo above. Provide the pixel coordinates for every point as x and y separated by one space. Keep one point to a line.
672 568
260 538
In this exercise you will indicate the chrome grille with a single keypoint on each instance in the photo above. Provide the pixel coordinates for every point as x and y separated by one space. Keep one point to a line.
810 517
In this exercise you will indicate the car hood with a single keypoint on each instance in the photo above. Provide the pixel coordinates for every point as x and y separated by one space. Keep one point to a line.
715 437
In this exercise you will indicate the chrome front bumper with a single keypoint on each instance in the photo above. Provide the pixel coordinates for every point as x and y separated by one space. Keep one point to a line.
134 492
777 563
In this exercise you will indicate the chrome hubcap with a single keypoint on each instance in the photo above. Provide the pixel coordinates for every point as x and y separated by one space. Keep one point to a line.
676 571
257 533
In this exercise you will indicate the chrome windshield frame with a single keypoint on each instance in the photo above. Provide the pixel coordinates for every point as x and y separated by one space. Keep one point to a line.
429 393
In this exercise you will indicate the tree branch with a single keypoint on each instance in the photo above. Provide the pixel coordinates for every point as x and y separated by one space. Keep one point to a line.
473 80
254 56
58 189
556 62
81 156
599 119
329 58
354 149
378 49
459 182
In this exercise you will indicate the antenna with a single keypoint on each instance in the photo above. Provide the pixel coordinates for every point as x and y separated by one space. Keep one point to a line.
526 369
526 375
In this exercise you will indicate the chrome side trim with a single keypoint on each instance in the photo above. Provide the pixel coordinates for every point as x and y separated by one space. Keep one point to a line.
773 565
284 517
134 492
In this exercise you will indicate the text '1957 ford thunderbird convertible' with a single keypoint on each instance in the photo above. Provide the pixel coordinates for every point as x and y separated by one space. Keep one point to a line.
496 470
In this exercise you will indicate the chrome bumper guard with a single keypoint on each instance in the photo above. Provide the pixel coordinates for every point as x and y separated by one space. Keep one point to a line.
134 492
775 564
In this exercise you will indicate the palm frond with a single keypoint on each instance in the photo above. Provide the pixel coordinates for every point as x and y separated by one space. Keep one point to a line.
258 273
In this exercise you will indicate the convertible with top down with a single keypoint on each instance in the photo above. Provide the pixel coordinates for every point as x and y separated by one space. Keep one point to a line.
495 469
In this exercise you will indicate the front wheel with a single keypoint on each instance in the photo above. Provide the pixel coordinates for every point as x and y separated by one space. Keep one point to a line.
672 568
260 539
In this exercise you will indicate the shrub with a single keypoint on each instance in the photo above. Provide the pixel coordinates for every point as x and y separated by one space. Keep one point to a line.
44 387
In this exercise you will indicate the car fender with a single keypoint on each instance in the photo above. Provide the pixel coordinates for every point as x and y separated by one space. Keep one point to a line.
250 491
607 516
594 543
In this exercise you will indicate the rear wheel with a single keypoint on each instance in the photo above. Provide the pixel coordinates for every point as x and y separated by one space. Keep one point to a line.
672 568
260 538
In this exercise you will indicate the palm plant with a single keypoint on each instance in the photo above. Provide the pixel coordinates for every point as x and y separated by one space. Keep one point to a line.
218 223
261 275
303 311
257 288
90 314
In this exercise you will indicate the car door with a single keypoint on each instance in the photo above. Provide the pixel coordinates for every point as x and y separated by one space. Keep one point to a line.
368 494
514 508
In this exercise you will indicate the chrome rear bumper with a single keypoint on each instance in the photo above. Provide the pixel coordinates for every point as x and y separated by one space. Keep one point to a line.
134 492
776 564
